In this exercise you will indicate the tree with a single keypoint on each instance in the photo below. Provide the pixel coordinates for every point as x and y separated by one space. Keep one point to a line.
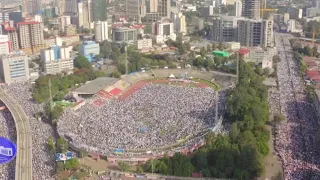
124 166
139 169
51 144
59 167
82 62
116 74
71 163
278 118
62 145
56 112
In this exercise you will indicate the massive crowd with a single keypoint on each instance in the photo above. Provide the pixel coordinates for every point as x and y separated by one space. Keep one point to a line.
295 138
154 116
42 159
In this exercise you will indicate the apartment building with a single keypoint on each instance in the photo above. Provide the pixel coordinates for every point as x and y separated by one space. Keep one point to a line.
255 33
12 35
135 9
179 21
30 35
89 49
14 67
101 31
124 35
251 9
224 28
163 30
237 7
56 60
4 45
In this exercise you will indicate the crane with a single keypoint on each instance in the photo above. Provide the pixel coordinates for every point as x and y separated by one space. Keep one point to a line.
266 10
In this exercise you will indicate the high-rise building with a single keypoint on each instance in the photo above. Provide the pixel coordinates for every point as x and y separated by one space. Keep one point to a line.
56 60
163 30
4 44
237 8
12 35
152 6
36 7
30 35
89 49
122 35
14 67
164 8
71 7
224 28
251 9
179 21
15 16
253 32
101 31
135 9
99 10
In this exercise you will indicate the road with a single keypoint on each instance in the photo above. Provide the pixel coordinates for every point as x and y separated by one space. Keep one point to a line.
23 169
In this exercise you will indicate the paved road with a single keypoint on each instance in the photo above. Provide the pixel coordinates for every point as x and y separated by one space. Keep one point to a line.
23 169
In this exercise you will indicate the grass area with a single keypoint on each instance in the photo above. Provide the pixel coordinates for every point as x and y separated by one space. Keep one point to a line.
208 83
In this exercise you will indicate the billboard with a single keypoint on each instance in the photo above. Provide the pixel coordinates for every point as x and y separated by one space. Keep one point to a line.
64 156
118 151
8 150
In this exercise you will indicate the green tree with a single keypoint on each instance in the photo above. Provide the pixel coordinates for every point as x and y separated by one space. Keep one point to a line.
71 163
116 74
82 62
51 144
124 166
139 169
62 145
59 167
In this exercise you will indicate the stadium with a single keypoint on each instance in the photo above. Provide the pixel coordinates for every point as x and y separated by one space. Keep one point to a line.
145 114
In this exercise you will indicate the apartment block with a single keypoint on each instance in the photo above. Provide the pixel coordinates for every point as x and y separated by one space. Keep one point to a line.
163 31
12 35
14 67
224 28
251 9
56 60
255 33
30 35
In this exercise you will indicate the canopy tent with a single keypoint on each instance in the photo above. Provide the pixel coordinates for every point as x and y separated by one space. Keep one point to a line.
171 76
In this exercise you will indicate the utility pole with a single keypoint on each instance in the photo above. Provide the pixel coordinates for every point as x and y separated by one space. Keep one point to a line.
50 99
217 107
237 67
126 58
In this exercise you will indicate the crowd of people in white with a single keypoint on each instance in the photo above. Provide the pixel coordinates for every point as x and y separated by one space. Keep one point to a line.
154 116
295 138
42 159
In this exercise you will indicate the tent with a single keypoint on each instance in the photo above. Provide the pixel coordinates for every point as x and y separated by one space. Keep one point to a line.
171 76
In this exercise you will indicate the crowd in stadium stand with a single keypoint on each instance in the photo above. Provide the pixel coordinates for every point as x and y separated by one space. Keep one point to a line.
7 130
295 139
42 159
154 116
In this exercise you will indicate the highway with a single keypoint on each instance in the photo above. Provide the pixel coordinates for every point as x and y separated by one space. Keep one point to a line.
23 170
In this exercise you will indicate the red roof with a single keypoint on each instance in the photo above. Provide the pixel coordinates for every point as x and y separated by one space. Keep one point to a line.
312 74
243 51
26 23
115 91
10 28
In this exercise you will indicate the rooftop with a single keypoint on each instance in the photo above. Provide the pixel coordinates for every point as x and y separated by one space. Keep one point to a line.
96 85
28 22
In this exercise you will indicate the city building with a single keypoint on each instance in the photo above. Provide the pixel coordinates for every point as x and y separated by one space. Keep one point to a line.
164 8
135 9
237 8
71 7
38 18
16 16
89 49
156 9
163 30
65 21
311 12
224 28
286 17
294 12
254 32
56 60
30 36
36 7
293 26
261 56
144 44
179 21
251 9
233 45
60 40
206 11
101 31
14 67
122 35
4 44
12 35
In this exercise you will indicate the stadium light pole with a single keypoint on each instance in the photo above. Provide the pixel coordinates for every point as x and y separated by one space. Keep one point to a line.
237 67
50 99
